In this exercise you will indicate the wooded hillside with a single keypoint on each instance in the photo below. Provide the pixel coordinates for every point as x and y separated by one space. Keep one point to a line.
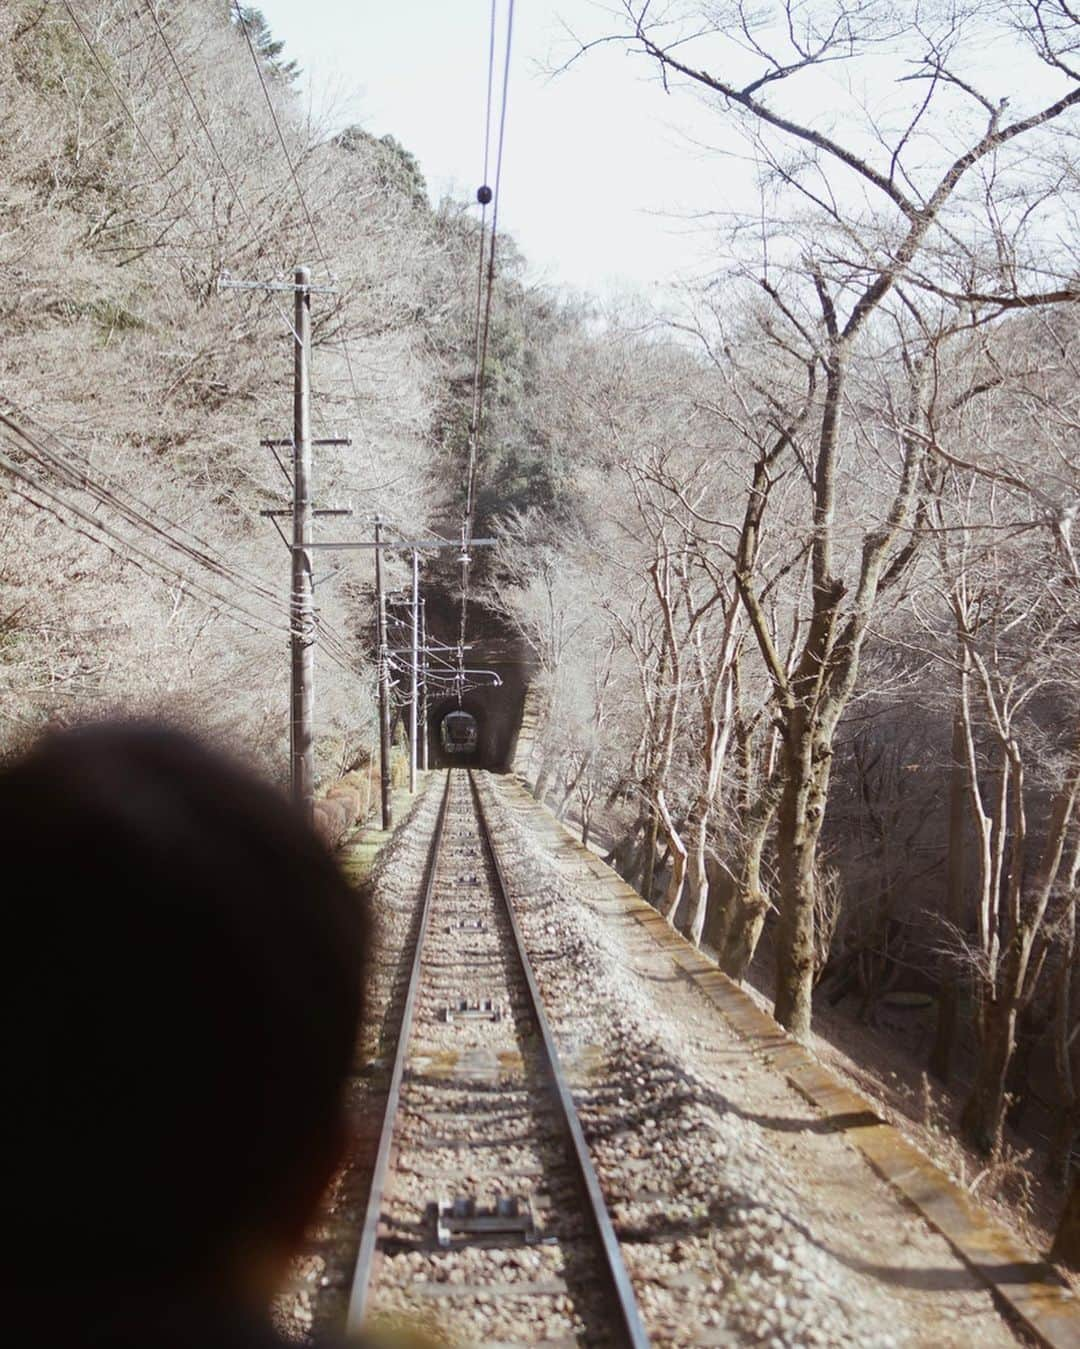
795 559
146 158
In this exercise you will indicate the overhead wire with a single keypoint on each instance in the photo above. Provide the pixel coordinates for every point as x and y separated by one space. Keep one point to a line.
162 169
485 291
226 609
336 648
307 212
149 7
482 258
136 512
104 493
96 57
277 127
126 547
258 64
229 177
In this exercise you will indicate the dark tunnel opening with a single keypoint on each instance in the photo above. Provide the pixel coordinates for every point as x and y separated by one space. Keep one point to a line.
497 709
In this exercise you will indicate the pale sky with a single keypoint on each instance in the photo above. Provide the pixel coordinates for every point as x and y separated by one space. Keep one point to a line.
596 159
602 169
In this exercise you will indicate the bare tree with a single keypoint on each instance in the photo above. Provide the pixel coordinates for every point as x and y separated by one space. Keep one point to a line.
826 309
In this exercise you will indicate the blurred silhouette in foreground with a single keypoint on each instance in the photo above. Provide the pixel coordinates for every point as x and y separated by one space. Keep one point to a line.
181 984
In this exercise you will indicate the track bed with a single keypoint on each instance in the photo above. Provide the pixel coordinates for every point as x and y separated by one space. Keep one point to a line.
484 1215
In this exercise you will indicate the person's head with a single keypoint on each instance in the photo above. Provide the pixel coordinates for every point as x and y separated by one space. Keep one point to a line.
180 979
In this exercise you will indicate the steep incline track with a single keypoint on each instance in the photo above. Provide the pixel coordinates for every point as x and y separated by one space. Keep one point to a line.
484 1204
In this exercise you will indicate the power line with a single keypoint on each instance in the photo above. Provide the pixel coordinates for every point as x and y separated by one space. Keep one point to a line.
230 180
303 202
483 325
339 655
140 515
140 511
165 173
126 550
277 127
201 119
127 546
120 555
484 196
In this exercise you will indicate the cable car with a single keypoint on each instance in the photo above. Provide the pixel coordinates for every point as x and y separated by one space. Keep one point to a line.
459 733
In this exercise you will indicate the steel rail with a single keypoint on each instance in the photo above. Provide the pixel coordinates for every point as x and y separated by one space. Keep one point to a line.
369 1234
629 1329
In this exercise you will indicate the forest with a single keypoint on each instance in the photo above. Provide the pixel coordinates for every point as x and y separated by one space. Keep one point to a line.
792 556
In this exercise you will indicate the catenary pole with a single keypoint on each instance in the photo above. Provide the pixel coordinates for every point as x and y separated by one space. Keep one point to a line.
302 616
414 691
424 685
377 545
384 685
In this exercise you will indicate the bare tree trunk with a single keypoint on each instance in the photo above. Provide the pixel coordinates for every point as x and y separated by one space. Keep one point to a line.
543 778
718 716
984 1112
1067 1112
1066 1247
944 1051
673 894
750 903
648 880
698 875
801 814
627 854
679 860
571 780
983 1118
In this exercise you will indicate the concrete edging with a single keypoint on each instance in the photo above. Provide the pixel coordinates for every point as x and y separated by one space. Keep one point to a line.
1023 1282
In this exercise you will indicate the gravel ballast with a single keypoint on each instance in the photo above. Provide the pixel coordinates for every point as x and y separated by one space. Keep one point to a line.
741 1219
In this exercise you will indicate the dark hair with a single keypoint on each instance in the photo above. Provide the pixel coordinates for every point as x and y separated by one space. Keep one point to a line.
181 984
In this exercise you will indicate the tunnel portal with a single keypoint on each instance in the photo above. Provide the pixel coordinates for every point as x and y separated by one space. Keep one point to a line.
495 708
487 749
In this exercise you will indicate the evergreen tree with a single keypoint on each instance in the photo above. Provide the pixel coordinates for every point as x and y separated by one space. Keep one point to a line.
268 47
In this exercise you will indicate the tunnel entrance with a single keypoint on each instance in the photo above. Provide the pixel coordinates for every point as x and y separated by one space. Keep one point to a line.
497 711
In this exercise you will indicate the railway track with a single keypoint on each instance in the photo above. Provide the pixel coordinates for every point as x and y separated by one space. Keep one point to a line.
484 1214
730 1196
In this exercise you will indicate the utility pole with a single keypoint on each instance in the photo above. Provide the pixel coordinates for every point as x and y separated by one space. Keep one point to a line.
384 685
302 581
414 691
404 545
424 685
301 598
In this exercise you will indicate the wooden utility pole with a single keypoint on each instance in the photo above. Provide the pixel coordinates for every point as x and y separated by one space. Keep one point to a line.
301 600
414 692
384 685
